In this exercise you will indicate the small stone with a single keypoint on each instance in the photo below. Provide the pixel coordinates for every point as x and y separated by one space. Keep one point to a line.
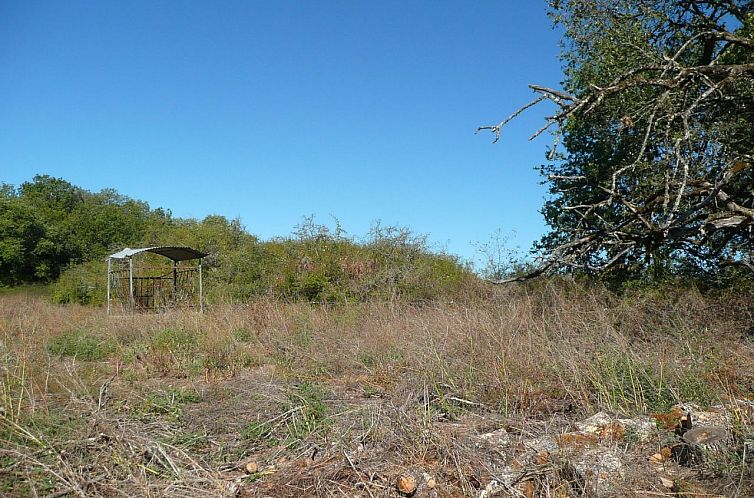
407 484
663 456
541 443
499 437
251 467
603 426
667 483
716 416
429 480
491 489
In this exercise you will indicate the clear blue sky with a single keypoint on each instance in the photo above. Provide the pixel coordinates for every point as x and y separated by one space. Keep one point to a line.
270 111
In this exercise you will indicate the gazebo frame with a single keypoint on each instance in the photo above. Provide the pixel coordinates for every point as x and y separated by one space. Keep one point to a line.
155 288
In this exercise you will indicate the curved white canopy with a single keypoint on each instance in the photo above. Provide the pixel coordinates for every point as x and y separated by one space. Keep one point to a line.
176 253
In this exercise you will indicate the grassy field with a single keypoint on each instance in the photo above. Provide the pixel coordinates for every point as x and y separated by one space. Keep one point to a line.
281 399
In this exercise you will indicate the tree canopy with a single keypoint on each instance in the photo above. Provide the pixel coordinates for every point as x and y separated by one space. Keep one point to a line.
653 160
54 231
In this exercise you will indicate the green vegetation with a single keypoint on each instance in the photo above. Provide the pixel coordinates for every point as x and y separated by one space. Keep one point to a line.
54 232
308 410
259 433
168 402
651 170
81 344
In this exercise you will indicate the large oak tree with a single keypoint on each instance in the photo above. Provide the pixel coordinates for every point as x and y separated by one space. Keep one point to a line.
653 161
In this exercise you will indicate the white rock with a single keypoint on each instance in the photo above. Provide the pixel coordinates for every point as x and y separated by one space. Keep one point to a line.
499 437
716 416
595 423
600 468
642 428
492 489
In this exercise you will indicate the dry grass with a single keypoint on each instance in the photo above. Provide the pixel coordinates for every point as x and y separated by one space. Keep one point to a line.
342 400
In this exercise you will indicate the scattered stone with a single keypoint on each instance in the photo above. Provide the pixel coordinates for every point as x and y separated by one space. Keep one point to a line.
595 423
601 468
577 439
593 458
541 443
429 480
669 483
642 429
716 416
499 437
491 489
251 467
407 484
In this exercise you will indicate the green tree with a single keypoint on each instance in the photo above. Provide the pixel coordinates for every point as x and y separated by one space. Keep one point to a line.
27 253
654 119
104 222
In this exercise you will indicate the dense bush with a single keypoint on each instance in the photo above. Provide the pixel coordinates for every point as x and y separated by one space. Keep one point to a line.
54 232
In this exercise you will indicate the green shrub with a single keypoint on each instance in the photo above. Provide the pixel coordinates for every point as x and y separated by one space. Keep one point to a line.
82 284
622 383
175 350
243 335
175 340
168 402
259 433
309 401
81 345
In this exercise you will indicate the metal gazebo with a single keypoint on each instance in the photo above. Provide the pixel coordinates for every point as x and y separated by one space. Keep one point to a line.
153 286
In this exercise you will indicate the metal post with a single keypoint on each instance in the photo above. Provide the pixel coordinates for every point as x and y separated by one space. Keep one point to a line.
131 282
175 283
109 267
201 289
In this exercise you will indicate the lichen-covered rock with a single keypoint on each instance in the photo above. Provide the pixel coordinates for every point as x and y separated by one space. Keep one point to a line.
641 429
594 424
638 429
499 437
600 468
539 444
716 416
602 426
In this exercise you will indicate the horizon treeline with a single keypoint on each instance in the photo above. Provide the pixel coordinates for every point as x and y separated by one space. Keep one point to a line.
52 231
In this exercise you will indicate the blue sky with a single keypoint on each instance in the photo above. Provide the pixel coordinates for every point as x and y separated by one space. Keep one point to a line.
270 111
